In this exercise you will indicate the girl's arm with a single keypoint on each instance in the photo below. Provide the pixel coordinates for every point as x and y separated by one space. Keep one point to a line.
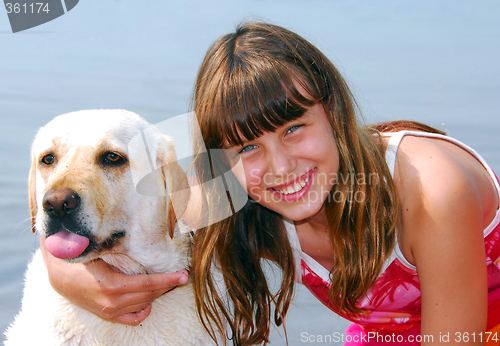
443 222
110 295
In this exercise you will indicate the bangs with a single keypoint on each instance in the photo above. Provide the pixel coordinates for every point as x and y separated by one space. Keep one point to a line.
255 100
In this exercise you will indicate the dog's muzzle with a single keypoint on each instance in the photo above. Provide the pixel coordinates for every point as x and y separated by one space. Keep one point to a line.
60 205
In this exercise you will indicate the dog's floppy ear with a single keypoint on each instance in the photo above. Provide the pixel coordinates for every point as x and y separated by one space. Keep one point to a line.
32 192
178 191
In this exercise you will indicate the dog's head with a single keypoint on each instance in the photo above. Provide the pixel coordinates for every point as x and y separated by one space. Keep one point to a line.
83 196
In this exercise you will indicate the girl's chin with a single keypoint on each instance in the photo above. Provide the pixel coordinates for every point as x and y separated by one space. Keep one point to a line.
295 213
300 216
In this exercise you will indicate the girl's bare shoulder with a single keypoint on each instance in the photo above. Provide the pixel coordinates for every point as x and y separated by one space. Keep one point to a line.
437 168
438 183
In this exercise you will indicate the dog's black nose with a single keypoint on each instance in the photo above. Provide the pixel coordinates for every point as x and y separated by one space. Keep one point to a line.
60 203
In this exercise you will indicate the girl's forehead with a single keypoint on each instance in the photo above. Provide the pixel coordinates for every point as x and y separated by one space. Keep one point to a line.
248 110
299 86
308 115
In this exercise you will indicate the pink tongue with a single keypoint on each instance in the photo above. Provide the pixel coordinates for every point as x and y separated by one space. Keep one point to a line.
66 245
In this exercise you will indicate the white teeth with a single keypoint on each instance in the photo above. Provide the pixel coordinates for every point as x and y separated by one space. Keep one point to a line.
297 186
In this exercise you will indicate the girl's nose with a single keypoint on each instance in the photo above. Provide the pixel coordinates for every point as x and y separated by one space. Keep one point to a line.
282 161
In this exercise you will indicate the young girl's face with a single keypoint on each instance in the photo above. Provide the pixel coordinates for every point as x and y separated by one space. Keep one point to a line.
291 170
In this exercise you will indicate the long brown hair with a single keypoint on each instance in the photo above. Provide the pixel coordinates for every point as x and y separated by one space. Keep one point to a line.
245 87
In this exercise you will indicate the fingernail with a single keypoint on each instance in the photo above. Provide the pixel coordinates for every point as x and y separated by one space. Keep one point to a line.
183 280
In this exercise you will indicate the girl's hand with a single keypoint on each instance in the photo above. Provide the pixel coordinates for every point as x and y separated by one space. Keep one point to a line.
108 294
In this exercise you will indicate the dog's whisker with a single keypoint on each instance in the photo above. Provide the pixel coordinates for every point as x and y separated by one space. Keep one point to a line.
35 242
20 223
27 232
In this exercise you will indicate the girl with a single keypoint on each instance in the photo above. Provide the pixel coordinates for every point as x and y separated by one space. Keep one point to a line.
394 230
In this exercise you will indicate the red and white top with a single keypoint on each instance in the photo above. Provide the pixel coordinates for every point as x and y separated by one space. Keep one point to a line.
394 301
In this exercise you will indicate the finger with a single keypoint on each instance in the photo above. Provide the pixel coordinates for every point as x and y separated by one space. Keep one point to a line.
152 282
109 313
134 318
116 283
130 302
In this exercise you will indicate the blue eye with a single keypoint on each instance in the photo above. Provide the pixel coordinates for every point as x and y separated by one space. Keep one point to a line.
293 128
248 148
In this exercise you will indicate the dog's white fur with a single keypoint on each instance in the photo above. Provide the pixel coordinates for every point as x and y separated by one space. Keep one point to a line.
109 202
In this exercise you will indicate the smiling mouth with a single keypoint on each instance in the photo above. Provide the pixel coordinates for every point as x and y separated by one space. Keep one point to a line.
294 187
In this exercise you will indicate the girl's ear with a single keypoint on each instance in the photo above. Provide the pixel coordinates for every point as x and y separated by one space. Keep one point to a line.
32 192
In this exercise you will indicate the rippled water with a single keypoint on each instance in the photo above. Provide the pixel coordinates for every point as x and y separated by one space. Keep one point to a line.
432 62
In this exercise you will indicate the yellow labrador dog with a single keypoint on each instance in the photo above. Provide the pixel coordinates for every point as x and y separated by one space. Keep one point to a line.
101 186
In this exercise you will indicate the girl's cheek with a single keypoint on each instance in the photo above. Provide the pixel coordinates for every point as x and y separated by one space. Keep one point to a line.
253 176
254 192
241 174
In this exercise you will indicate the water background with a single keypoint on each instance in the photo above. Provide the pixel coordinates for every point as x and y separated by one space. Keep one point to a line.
430 61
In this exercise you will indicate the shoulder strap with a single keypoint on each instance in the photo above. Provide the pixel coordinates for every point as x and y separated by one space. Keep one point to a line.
390 158
392 148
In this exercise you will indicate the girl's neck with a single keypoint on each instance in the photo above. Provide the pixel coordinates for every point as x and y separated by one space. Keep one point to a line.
315 240
318 222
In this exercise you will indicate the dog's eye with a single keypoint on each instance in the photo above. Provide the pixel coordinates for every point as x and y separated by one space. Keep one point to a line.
111 158
48 159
